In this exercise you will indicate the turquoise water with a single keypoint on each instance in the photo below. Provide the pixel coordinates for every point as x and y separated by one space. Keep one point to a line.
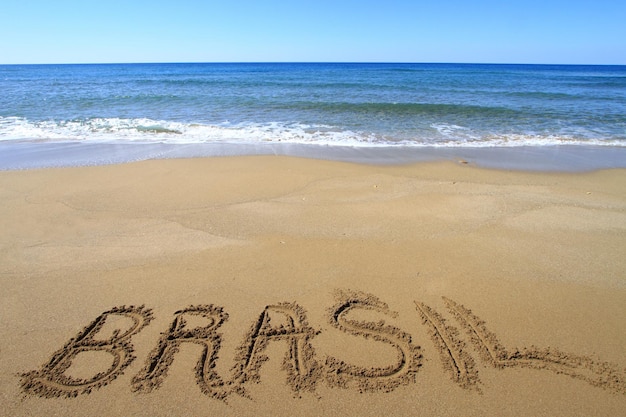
407 106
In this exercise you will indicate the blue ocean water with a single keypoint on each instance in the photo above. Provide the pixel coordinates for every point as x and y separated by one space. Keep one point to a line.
405 106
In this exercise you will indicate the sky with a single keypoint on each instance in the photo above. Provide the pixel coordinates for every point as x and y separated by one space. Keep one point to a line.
469 31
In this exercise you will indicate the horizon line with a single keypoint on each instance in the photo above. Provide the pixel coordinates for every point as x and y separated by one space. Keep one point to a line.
309 62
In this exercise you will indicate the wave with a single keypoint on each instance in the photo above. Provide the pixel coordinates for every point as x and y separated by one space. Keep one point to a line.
159 131
542 95
400 108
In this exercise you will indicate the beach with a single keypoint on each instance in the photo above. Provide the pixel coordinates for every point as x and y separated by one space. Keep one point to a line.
281 285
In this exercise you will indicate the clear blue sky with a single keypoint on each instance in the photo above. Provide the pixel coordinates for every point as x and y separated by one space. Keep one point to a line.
499 31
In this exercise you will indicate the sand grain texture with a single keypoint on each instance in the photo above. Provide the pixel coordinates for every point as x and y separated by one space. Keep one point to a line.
286 286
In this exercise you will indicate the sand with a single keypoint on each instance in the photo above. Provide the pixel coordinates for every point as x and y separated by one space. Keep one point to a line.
277 286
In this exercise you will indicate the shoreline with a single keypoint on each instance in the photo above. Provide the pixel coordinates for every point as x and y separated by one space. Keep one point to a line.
21 155
276 285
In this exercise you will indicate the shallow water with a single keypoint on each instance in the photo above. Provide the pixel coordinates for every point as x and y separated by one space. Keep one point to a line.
369 112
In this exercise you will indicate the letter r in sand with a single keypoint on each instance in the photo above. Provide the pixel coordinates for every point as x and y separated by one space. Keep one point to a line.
162 356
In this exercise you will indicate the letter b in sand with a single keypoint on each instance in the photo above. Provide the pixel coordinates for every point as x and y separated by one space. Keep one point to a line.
52 380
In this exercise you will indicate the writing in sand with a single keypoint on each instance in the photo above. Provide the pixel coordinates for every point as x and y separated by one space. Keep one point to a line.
304 368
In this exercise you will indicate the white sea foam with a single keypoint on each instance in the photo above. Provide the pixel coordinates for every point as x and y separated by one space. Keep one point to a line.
159 131
449 130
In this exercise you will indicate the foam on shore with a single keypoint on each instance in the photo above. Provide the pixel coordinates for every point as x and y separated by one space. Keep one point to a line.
28 155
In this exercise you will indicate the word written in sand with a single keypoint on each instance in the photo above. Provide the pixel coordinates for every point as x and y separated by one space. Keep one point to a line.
304 369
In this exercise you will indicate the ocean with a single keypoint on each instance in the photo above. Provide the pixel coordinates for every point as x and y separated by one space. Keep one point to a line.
544 115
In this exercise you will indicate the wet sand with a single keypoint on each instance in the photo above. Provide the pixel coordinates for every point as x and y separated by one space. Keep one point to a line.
275 285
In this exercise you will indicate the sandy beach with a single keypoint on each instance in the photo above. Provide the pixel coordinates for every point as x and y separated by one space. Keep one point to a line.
282 286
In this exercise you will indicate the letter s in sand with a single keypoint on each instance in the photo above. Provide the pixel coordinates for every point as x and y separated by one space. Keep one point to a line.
402 372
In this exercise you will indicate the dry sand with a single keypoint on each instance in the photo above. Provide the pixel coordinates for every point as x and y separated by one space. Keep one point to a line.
285 286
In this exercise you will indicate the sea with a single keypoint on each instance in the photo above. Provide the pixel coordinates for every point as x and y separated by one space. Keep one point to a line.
546 117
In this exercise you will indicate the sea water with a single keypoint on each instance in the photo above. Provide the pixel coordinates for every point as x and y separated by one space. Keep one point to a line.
108 113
